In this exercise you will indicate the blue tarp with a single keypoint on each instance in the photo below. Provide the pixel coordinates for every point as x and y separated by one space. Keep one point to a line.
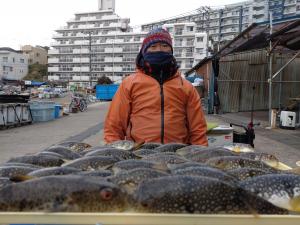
37 83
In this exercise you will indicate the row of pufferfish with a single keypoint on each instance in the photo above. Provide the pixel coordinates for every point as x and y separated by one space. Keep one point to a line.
170 178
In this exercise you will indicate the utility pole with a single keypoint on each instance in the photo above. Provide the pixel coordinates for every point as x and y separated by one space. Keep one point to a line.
270 74
90 58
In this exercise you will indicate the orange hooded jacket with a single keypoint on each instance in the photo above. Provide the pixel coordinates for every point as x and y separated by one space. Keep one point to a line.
142 110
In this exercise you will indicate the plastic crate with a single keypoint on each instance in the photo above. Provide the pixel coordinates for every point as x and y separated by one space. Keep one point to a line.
42 111
57 110
106 91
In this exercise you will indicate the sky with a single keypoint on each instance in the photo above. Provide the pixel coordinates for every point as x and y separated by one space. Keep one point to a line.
33 22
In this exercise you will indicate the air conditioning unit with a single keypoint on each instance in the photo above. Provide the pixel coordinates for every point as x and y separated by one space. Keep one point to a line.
288 120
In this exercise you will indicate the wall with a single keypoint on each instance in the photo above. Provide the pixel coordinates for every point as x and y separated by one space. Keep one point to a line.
240 72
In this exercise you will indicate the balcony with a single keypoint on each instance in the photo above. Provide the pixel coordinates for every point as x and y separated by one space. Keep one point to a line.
53 52
290 3
53 60
80 78
81 51
53 77
53 69
81 69
81 60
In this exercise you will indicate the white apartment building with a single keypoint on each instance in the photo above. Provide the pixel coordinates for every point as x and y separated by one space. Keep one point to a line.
94 44
13 64
100 43
189 46
224 23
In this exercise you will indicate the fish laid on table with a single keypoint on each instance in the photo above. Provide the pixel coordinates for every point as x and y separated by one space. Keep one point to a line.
234 162
12 171
165 158
206 172
282 190
53 171
247 172
122 144
96 173
40 160
133 164
130 179
170 147
67 193
190 148
76 146
113 152
144 151
196 194
150 145
269 159
64 151
92 162
239 147
204 155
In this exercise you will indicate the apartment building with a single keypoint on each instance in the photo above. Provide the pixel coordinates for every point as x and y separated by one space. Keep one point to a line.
94 44
189 46
100 43
13 64
224 23
35 55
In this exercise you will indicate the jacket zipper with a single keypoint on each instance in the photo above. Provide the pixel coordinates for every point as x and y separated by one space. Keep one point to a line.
162 131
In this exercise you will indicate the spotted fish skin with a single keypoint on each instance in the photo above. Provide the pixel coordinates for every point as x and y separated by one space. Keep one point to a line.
130 179
206 172
67 153
247 172
40 160
204 155
150 145
133 164
92 162
190 148
4 181
144 152
11 171
170 147
113 152
67 193
122 144
235 162
279 189
192 194
53 171
165 158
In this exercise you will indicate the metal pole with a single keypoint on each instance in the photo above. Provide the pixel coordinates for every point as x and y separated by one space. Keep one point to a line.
270 74
90 57
280 88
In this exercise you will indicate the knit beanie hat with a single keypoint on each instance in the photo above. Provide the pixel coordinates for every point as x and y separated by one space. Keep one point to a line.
154 36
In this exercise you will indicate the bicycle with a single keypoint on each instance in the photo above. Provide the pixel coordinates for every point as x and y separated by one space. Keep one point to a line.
78 103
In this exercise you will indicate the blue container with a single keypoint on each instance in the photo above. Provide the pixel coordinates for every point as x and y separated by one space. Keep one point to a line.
106 91
42 111
56 111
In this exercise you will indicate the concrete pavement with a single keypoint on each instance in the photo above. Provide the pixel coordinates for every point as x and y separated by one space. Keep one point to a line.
38 136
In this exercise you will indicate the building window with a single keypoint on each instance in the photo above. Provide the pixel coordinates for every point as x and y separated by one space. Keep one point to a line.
199 39
189 29
5 59
13 59
21 60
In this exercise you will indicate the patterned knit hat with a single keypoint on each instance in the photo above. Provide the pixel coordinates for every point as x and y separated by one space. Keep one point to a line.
154 36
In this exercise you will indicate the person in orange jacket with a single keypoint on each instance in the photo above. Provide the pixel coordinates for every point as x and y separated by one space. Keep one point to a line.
155 104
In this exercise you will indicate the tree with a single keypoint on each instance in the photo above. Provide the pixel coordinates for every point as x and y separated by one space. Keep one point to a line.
36 72
104 80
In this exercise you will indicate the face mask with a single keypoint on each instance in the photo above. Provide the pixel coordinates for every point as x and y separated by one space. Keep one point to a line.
159 65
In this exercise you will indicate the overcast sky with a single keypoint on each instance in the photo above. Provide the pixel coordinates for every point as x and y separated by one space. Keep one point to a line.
34 21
